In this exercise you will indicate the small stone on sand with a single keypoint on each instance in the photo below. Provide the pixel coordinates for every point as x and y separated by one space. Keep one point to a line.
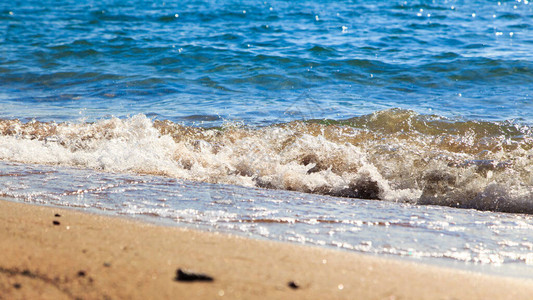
190 276
293 285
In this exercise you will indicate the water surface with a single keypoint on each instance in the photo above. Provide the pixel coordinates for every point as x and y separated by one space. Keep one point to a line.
397 128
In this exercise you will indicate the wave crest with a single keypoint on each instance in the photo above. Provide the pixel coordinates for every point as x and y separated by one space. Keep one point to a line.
393 155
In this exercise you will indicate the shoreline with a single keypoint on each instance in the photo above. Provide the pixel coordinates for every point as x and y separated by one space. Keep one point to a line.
62 253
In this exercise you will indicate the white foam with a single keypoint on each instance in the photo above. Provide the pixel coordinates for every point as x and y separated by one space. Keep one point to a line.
332 160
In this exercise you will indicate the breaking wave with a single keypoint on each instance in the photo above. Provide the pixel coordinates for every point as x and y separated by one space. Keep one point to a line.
393 155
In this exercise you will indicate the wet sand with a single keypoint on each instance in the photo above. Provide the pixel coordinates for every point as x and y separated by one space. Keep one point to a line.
51 253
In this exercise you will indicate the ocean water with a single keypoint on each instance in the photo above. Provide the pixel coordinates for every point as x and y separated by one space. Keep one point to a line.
399 128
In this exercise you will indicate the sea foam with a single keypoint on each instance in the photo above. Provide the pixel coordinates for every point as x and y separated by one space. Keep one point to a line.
392 155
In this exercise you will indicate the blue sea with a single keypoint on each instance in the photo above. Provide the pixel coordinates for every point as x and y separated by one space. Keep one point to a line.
393 128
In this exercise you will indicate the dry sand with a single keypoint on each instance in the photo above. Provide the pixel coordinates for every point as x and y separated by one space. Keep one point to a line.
89 256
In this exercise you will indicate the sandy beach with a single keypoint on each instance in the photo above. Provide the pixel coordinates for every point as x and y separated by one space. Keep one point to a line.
52 253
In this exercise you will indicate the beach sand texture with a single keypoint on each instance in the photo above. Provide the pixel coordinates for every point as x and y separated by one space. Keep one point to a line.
52 253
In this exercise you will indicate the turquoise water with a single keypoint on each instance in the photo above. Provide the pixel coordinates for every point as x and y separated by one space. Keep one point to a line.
199 61
279 120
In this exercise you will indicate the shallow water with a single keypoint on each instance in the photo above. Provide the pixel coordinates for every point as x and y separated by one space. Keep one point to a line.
492 242
276 119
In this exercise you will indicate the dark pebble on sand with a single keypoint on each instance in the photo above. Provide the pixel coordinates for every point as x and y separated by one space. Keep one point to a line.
57 215
81 273
17 286
106 264
189 276
56 222
293 285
